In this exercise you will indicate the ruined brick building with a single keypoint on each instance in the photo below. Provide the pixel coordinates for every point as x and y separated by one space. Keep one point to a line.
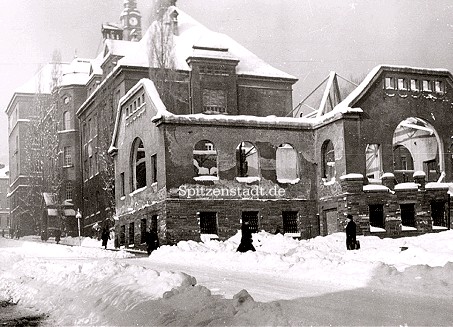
204 139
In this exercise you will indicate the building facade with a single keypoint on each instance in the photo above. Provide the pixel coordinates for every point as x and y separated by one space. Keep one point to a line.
4 203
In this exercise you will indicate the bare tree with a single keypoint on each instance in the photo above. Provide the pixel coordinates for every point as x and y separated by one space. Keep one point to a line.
42 156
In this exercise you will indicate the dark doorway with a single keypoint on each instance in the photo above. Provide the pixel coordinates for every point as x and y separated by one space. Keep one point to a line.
438 214
377 215
408 214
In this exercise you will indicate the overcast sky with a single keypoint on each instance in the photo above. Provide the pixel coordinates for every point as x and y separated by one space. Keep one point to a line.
305 38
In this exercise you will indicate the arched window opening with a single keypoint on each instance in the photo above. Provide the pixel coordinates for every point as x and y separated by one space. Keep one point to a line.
287 164
416 147
138 165
205 160
328 160
247 160
66 120
373 159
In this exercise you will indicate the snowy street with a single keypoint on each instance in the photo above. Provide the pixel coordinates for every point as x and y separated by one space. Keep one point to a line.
286 282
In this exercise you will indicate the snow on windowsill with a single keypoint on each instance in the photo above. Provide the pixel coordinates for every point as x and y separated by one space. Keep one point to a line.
206 178
139 190
436 185
207 237
250 179
377 229
439 227
407 228
288 181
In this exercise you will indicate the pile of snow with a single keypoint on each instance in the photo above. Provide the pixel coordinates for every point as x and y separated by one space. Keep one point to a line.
87 285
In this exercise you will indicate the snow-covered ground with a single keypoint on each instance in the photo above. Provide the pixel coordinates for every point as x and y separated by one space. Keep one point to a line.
406 281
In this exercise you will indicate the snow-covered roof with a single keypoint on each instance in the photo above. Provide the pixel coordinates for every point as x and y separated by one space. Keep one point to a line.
73 73
373 75
191 33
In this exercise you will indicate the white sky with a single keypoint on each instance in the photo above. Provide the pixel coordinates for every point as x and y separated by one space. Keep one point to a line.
304 38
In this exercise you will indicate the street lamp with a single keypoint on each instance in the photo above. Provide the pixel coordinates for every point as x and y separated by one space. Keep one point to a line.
79 216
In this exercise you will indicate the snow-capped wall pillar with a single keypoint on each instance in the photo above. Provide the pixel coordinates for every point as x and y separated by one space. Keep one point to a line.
420 178
388 179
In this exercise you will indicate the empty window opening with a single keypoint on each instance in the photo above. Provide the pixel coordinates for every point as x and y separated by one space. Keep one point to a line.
247 160
154 168
138 165
415 85
143 230
123 234
416 147
328 160
427 86
439 214
131 233
208 223
373 159
402 84
205 159
389 83
408 214
287 163
376 212
290 222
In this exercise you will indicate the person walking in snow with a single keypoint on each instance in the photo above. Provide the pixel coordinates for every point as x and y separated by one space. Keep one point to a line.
152 241
351 233
246 239
57 236
105 236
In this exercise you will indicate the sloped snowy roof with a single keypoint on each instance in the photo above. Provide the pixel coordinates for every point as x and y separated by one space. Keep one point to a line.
355 95
191 33
73 73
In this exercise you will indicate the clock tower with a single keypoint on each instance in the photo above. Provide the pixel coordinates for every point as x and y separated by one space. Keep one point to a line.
131 20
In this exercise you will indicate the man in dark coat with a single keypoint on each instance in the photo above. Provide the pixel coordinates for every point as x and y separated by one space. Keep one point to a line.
350 233
152 241
105 236
246 239
57 236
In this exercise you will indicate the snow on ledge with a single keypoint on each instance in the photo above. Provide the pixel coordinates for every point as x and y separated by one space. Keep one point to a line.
388 175
375 188
407 228
139 190
439 227
288 181
206 178
351 176
436 185
250 179
377 229
406 186
292 234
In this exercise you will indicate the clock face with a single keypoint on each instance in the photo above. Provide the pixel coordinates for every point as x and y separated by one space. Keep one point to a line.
133 21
